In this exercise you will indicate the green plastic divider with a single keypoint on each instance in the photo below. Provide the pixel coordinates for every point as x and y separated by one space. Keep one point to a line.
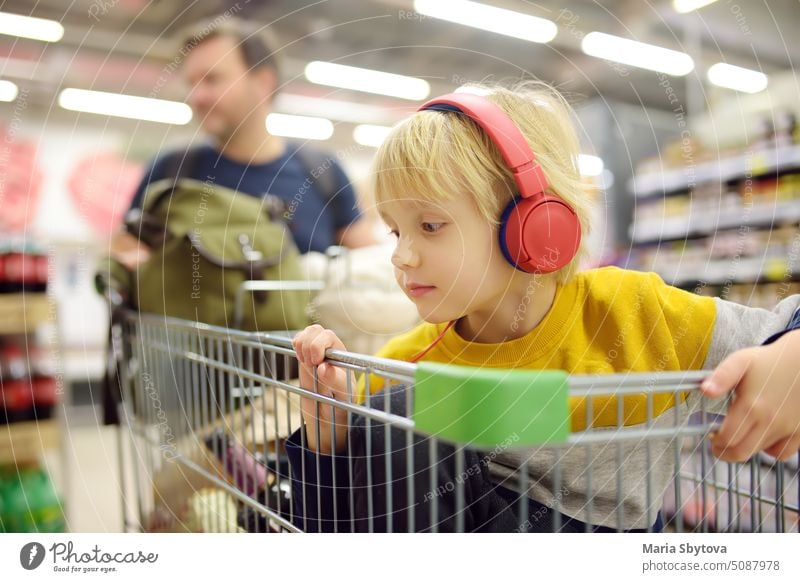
491 407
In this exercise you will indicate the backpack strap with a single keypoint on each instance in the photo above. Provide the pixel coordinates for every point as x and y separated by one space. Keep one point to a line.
182 164
313 160
179 164
141 222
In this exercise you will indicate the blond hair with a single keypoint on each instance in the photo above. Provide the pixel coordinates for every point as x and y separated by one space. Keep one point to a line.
436 156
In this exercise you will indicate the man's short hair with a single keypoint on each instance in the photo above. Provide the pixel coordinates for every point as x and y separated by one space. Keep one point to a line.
251 40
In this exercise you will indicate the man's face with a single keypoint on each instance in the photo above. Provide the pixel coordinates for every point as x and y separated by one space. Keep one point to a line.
223 93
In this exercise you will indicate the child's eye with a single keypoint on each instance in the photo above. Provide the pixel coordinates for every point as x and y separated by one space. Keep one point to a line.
431 227
394 232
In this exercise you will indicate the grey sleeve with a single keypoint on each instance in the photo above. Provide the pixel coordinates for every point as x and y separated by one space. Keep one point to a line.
738 326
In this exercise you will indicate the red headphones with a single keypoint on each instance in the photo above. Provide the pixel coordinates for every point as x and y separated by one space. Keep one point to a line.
538 233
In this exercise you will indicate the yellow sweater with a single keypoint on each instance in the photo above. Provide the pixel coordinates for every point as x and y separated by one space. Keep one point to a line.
605 320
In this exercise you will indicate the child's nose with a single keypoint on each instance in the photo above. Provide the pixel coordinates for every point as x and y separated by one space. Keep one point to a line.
404 256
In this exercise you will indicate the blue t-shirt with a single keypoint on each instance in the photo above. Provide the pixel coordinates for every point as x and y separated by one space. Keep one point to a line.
312 218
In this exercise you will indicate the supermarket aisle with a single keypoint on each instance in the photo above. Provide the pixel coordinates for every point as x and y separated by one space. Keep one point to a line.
90 487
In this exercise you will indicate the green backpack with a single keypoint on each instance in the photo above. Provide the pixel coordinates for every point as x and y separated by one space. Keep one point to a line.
206 240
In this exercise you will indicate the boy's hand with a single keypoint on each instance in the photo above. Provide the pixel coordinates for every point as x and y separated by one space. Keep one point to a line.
310 345
765 411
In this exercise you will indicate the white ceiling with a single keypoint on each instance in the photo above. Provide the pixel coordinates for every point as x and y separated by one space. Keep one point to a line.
125 45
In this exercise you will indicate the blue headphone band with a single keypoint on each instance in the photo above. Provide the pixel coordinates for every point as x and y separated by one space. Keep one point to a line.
443 107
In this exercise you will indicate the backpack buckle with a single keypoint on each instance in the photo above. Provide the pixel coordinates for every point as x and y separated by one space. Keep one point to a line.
256 272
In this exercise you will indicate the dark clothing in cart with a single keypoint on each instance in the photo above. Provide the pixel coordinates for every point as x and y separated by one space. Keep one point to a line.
345 490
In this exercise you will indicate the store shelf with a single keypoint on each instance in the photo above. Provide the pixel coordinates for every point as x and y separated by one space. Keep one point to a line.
753 164
706 224
719 272
24 442
23 312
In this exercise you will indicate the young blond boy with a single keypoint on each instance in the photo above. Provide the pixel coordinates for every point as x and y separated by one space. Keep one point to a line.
446 186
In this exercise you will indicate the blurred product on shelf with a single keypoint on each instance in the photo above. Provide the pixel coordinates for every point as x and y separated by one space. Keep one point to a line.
101 185
17 398
28 502
774 130
22 182
25 400
744 256
777 129
786 130
26 391
21 359
22 270
709 208
725 227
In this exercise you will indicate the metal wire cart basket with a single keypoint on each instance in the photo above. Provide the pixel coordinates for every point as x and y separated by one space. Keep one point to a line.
210 413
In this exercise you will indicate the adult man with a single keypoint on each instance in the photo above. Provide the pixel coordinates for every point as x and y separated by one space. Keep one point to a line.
233 78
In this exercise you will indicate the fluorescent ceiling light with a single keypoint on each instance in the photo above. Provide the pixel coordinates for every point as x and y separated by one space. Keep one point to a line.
29 27
489 18
299 126
129 106
738 78
684 6
336 109
637 54
367 80
590 165
8 91
370 135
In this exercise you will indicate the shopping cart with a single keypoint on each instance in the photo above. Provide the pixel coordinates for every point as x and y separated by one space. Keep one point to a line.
208 414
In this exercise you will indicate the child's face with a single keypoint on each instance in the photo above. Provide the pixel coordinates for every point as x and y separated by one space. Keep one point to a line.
447 259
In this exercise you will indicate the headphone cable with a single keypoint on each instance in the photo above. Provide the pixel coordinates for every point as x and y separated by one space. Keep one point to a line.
420 355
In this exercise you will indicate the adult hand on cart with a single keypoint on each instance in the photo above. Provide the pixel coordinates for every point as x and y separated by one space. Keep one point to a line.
129 250
325 424
765 411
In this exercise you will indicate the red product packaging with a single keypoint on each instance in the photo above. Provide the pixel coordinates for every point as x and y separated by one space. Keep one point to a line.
20 272
16 403
2 272
44 391
41 272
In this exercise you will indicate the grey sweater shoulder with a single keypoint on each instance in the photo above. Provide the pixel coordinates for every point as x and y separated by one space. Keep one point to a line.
738 326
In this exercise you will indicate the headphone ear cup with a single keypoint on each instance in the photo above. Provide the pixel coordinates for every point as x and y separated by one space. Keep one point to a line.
539 235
